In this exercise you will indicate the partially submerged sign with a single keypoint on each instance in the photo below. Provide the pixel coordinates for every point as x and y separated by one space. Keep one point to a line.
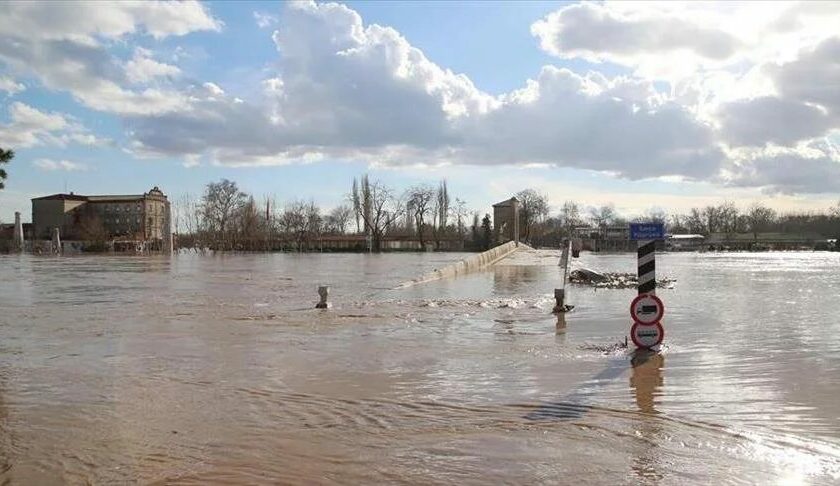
646 336
647 309
647 231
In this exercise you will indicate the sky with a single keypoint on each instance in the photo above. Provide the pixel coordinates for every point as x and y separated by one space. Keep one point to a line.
644 105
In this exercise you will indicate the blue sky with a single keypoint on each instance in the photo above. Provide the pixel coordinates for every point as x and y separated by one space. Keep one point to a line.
655 105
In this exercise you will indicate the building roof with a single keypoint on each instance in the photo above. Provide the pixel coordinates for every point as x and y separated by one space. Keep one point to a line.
506 203
100 198
61 197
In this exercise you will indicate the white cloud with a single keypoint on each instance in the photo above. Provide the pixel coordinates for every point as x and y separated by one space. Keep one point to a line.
789 171
87 22
264 20
29 127
814 77
602 32
65 45
770 119
58 165
10 86
348 90
751 92
142 68
674 40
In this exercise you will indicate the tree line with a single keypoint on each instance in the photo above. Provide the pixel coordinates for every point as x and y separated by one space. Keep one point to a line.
545 230
225 217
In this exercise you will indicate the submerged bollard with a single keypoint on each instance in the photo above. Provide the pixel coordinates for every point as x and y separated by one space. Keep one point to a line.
56 241
17 233
560 294
560 304
324 292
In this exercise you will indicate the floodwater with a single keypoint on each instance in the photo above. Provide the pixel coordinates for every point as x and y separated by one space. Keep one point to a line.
217 369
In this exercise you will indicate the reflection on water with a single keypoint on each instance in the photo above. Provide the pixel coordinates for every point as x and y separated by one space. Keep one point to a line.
646 382
208 369
646 378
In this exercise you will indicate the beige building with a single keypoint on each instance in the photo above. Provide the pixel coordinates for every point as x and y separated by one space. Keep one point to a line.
506 220
128 218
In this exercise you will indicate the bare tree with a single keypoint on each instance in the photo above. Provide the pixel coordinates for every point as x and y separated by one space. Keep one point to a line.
570 217
533 209
418 202
603 216
476 238
186 217
338 219
441 212
302 222
834 211
655 215
220 204
248 222
357 204
460 212
380 207
760 218
695 221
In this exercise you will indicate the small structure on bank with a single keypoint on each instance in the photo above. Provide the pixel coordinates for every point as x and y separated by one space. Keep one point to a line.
506 221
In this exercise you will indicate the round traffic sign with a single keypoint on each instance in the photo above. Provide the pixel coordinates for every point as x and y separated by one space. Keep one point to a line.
647 309
647 335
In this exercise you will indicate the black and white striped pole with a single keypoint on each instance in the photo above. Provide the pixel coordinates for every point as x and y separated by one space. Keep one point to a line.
647 309
646 265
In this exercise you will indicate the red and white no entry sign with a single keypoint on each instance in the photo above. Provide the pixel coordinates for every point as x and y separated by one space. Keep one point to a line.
647 335
647 309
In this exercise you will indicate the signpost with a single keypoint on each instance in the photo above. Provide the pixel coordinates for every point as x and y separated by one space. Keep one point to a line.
647 309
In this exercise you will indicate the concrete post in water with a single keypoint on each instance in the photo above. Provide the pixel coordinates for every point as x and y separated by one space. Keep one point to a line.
56 241
324 292
18 233
560 299
577 246
560 294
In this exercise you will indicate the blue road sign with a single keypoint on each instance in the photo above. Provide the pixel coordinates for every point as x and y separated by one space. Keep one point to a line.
647 231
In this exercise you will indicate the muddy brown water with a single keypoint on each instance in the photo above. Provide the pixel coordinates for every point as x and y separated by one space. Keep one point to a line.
216 369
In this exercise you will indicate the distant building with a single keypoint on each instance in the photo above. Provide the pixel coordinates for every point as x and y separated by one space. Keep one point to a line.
585 232
505 216
615 233
684 242
765 241
604 238
141 218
